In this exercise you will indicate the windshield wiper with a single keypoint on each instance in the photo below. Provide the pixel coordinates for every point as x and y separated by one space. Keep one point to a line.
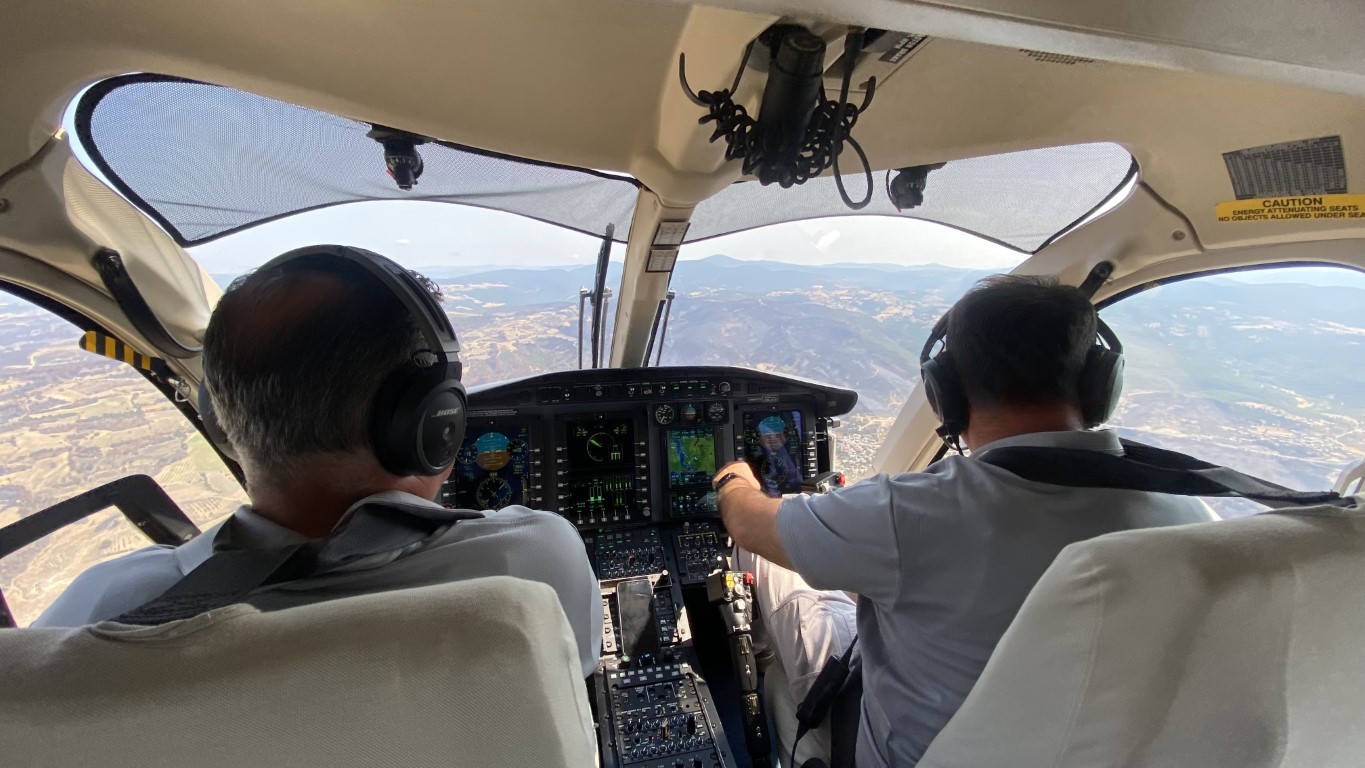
660 328
598 296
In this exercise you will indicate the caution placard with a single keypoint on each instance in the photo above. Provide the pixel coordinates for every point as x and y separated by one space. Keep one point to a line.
1335 207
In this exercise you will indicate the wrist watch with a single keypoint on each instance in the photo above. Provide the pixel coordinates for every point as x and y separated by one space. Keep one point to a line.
721 482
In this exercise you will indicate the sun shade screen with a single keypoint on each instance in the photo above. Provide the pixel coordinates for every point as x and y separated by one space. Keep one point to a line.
1021 199
205 160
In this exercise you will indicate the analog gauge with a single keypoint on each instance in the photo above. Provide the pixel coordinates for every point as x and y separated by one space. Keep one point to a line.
599 446
493 493
689 413
715 412
665 414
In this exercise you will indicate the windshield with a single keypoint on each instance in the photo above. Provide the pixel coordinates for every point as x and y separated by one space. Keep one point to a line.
846 301
511 284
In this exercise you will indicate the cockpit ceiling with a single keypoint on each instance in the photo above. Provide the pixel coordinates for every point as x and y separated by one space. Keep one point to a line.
206 161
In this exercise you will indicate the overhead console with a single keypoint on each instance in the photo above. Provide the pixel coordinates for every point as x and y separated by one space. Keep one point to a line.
628 456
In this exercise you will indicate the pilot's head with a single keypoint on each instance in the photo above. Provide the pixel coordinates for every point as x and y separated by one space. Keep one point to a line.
294 356
1019 344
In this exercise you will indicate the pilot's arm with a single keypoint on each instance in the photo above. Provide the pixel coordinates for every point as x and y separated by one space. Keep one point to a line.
845 539
750 515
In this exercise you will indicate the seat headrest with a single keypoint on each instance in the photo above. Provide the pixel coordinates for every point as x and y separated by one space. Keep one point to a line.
480 672
1233 643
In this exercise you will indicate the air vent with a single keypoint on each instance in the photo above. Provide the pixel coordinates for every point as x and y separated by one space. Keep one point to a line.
1055 58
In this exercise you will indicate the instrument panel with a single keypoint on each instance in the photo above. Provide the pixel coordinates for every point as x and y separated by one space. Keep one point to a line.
628 456
620 447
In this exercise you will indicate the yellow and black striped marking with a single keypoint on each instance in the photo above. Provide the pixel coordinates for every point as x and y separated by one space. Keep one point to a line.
107 346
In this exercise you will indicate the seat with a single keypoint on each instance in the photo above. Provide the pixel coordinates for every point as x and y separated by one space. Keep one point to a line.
482 672
1235 643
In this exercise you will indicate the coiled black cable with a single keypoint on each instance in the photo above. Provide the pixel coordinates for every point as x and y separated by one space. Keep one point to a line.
830 128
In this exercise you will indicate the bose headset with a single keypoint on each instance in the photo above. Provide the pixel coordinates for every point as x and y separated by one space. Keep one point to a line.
1098 387
417 419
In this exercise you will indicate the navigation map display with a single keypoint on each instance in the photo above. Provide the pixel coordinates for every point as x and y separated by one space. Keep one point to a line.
691 456
492 468
775 449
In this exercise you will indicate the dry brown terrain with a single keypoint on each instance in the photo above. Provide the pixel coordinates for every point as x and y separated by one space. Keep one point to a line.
73 421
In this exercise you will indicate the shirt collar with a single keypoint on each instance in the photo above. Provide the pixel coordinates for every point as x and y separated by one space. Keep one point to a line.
253 531
1103 440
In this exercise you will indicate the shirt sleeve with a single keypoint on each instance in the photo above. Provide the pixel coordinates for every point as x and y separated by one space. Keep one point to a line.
845 539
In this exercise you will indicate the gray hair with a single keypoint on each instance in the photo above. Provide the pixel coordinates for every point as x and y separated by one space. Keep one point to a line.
294 357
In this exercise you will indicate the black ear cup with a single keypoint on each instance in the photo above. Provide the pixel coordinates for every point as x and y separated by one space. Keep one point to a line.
1100 385
944 390
418 421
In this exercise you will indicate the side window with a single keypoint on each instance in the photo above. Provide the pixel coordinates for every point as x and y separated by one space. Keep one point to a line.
1259 371
73 421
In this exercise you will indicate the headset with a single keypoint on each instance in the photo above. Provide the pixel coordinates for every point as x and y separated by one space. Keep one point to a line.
417 419
1098 387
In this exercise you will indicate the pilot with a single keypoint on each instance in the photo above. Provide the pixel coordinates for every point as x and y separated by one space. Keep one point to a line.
941 560
295 356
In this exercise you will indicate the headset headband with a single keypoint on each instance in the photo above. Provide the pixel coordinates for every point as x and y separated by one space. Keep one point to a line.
432 321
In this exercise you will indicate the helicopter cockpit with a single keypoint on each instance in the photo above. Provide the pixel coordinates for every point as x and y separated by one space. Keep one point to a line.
570 180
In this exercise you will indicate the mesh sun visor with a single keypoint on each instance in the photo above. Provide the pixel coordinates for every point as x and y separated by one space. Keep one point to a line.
205 161
1021 199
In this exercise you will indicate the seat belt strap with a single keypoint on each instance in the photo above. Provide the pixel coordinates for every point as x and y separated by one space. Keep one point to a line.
231 573
1147 468
225 578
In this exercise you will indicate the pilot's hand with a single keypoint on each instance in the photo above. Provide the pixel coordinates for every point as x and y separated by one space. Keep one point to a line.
744 475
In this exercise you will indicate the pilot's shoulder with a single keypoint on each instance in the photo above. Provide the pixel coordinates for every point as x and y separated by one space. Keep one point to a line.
114 586
518 516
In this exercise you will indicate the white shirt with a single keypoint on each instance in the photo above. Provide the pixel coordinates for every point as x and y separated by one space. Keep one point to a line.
942 560
514 541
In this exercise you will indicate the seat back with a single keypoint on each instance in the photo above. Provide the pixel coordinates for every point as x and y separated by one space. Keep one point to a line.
482 672
1234 643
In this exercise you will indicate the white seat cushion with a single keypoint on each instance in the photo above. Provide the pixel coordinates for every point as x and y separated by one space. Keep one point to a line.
1237 643
482 672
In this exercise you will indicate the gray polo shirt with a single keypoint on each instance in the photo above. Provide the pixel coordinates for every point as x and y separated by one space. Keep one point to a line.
941 561
514 541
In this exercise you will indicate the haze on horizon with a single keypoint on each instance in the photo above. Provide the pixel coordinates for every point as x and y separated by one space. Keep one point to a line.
422 235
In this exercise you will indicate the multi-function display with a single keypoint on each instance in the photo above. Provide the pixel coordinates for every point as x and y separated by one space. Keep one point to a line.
691 456
775 449
600 470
